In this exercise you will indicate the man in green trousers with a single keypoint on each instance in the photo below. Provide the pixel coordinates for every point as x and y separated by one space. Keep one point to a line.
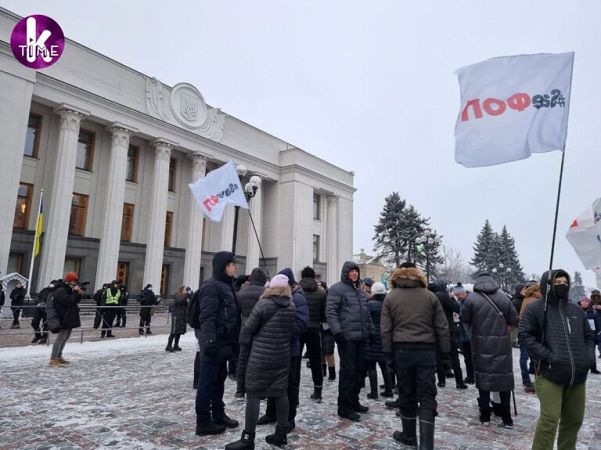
558 336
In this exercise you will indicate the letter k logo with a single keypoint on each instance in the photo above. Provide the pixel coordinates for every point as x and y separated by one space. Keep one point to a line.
33 44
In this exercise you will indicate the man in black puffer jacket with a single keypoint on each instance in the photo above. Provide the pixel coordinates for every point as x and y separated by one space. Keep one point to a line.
350 323
248 296
316 299
557 335
450 307
218 319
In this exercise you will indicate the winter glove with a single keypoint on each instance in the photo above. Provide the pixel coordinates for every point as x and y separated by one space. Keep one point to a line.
211 349
339 338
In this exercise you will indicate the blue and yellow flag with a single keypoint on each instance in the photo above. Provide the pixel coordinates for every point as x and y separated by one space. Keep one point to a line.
38 229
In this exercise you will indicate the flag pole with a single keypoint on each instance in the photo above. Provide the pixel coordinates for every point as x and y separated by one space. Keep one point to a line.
252 222
563 155
35 241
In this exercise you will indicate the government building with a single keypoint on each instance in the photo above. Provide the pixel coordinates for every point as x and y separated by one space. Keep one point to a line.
114 150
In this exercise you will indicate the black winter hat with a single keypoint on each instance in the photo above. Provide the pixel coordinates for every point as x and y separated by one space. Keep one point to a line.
407 265
220 260
308 272
258 276
368 282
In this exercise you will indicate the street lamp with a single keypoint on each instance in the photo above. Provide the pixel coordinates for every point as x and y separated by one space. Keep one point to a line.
427 241
250 190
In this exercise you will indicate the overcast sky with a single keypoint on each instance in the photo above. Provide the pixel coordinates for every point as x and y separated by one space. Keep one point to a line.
370 86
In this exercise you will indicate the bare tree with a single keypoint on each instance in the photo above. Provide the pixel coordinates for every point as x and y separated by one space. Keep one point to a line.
453 267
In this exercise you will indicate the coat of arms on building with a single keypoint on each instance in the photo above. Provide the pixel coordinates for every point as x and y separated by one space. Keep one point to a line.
183 105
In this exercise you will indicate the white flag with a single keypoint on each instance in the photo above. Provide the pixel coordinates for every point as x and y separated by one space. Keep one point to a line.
219 188
584 235
512 107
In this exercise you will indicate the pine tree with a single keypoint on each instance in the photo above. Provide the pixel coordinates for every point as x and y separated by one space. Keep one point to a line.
577 290
508 256
388 237
486 249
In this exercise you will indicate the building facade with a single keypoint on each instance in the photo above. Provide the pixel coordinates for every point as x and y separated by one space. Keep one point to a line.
114 151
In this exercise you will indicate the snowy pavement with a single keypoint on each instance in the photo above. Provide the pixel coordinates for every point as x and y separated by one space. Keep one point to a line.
130 394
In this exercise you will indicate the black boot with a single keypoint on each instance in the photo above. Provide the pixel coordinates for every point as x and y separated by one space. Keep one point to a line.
484 411
226 421
393 404
324 369
246 442
332 373
459 384
265 420
316 394
408 435
426 435
209 428
387 384
169 348
279 438
358 407
373 384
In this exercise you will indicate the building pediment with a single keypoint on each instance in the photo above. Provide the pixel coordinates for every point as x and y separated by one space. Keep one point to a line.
184 106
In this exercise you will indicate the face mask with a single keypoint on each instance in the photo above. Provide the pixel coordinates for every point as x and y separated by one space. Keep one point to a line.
561 290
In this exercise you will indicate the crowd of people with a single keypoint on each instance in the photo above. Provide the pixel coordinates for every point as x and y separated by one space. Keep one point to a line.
255 329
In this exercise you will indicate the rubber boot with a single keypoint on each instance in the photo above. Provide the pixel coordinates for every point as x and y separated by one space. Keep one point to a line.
426 435
373 384
246 442
279 438
388 387
408 435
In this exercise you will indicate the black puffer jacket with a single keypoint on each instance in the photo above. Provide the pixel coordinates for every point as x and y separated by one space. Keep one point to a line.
269 326
17 296
316 299
567 351
250 293
449 306
218 312
346 308
179 313
491 339
374 351
64 302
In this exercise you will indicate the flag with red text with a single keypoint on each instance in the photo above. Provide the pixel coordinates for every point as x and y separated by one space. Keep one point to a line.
511 107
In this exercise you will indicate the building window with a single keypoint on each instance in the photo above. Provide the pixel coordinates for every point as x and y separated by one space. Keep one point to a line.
164 280
127 221
132 164
85 150
32 140
316 207
122 272
15 263
316 239
72 265
79 209
172 177
24 194
168 228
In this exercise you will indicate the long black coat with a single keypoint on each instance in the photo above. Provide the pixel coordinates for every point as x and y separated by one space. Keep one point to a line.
491 341
17 297
374 351
270 327
179 313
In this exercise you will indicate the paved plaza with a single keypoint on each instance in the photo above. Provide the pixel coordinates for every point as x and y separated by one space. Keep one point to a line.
130 394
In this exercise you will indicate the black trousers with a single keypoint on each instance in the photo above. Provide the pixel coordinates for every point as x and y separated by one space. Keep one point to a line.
209 394
454 357
108 316
120 317
313 341
466 349
145 322
241 369
415 371
352 370
293 389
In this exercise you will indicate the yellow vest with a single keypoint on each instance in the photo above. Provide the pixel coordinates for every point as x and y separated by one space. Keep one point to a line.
110 299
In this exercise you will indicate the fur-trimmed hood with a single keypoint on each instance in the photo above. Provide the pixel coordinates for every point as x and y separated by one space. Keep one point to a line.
408 277
277 292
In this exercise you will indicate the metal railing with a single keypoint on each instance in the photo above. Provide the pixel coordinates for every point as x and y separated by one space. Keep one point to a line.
87 311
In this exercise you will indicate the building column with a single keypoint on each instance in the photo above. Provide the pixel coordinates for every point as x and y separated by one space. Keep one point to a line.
17 83
194 241
155 244
54 248
253 253
227 229
108 255
332 241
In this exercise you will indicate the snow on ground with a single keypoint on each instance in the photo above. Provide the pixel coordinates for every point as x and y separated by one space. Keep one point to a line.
130 394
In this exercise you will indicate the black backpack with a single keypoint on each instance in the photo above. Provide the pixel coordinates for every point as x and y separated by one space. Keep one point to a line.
194 305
